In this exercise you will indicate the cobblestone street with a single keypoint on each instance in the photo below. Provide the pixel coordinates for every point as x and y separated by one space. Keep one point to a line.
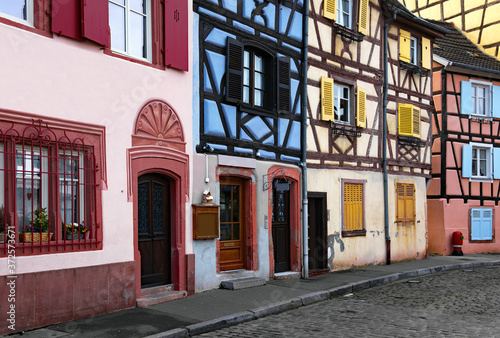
459 303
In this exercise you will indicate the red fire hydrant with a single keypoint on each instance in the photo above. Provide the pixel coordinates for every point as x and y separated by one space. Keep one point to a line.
458 241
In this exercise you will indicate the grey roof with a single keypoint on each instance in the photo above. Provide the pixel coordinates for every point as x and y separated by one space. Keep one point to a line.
457 48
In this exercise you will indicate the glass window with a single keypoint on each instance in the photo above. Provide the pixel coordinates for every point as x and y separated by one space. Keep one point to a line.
230 222
254 79
70 191
480 100
413 50
130 24
342 103
481 162
17 10
344 13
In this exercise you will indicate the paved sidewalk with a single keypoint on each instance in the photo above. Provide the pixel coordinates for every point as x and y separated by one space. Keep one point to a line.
215 309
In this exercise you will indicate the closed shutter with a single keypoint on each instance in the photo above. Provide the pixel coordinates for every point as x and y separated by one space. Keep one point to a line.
284 84
326 99
66 18
466 97
416 122
330 9
363 17
353 206
95 24
405 119
495 102
400 194
481 224
405 202
404 46
361 107
234 71
496 163
426 53
466 160
176 34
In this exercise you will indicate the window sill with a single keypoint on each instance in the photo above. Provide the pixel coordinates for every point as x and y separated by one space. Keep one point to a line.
244 108
481 119
354 233
348 33
26 26
110 52
481 179
413 68
405 223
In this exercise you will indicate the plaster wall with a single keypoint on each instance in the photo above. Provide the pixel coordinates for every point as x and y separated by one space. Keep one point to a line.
407 242
63 78
205 251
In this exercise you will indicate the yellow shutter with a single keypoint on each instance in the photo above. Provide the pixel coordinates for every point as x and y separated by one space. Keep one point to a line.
326 99
353 206
400 193
409 203
404 46
363 17
416 122
330 9
426 53
405 119
361 108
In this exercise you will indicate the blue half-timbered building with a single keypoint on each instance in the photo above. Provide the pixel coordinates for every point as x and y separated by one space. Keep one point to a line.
247 114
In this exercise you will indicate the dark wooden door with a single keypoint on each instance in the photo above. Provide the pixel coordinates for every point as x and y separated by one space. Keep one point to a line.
281 226
317 222
232 225
154 229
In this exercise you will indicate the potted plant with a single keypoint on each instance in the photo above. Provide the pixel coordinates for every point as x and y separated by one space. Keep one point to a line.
39 227
75 231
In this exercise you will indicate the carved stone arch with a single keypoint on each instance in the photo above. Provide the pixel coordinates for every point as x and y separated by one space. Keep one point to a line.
158 124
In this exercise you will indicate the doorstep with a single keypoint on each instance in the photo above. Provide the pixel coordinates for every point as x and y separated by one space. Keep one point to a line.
159 294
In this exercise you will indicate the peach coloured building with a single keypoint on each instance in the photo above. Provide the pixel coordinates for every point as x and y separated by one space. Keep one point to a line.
464 192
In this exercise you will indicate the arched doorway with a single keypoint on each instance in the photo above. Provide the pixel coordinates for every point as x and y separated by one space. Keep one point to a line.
154 227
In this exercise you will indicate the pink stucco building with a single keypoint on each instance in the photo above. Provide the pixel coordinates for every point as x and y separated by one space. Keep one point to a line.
95 151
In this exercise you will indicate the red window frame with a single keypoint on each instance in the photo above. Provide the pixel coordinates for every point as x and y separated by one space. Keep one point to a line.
41 19
49 141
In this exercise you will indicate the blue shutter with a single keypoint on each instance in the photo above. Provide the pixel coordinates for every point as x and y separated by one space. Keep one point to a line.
496 163
466 98
495 102
475 224
466 160
486 225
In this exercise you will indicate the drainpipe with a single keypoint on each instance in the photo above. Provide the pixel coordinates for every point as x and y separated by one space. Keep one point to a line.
305 244
384 141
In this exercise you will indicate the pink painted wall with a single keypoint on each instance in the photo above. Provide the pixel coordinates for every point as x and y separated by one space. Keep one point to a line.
68 79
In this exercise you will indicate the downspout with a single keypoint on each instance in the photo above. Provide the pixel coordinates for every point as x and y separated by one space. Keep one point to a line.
384 141
305 244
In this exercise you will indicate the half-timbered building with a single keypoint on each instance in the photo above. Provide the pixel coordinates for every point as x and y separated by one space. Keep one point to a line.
465 188
95 147
366 183
247 134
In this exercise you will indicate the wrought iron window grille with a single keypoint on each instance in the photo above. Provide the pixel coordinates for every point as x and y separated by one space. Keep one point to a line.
413 68
348 33
411 141
346 131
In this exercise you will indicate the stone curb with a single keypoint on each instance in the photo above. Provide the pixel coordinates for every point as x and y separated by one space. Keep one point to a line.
275 308
307 299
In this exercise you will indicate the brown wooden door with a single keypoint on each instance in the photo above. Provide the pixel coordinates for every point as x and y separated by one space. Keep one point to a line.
154 229
232 225
318 244
281 226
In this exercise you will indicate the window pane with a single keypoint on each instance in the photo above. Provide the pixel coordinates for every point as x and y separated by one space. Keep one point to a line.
259 98
236 204
236 231
259 64
246 94
16 8
246 77
482 168
143 208
225 232
480 106
482 154
225 203
474 167
137 37
117 26
246 59
138 6
474 107
259 81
